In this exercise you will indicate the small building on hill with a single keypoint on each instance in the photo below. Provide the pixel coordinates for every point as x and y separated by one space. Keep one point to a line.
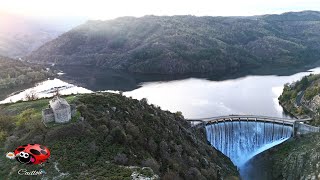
59 111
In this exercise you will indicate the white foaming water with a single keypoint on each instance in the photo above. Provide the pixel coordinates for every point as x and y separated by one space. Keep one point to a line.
267 146
240 141
47 89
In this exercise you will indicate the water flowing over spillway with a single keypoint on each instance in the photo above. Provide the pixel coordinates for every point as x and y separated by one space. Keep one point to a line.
241 140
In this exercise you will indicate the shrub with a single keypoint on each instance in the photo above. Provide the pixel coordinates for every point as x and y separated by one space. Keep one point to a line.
119 136
153 164
121 159
132 129
171 176
3 135
29 116
7 123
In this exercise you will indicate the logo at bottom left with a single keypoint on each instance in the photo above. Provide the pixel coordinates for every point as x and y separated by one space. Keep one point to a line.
30 154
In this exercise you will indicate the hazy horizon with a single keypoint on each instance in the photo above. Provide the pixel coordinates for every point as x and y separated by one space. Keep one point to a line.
98 9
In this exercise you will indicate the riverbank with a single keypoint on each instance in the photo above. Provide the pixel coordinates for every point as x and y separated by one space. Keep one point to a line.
16 75
46 89
302 99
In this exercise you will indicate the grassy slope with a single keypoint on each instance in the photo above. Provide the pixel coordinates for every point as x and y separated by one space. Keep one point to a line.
117 132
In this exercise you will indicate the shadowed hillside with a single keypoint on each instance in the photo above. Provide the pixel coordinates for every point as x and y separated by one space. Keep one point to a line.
16 74
189 44
294 159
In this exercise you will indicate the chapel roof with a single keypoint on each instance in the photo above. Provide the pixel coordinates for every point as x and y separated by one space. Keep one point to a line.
58 103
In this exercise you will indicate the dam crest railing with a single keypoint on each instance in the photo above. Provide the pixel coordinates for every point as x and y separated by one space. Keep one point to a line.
297 124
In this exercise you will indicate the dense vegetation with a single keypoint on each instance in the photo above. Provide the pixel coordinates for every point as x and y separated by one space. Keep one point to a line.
189 44
297 158
14 73
302 98
117 137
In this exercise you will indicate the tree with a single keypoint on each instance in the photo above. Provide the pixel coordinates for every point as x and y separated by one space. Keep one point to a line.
304 82
144 100
32 95
153 164
119 136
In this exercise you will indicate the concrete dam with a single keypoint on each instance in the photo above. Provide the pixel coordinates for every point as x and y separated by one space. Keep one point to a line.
240 137
241 140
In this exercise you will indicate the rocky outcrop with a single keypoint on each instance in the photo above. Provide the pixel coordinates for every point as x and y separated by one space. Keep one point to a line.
314 103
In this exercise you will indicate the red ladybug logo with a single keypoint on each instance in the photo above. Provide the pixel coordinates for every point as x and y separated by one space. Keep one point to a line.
32 154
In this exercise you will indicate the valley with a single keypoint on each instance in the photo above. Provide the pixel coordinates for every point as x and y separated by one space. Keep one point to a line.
162 97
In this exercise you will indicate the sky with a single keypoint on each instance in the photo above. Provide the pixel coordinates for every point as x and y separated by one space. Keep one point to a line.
109 9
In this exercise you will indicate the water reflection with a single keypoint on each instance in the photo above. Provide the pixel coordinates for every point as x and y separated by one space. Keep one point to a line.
194 97
197 98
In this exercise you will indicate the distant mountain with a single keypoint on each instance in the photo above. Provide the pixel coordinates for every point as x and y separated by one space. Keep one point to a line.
20 35
295 16
189 44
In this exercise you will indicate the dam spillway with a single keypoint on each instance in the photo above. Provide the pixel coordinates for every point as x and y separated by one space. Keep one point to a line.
241 140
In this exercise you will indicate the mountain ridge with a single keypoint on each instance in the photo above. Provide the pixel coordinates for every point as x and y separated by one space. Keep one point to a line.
19 35
188 44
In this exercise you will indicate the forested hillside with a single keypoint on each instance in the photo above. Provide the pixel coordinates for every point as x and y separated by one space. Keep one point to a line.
189 44
14 74
302 98
116 138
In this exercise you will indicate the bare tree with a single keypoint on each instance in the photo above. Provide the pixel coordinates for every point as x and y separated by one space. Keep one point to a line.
32 95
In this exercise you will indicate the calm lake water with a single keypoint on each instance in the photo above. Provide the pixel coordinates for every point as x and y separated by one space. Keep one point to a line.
194 97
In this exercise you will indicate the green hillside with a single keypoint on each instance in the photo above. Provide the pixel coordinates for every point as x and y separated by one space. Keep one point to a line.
16 74
118 136
302 98
189 44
